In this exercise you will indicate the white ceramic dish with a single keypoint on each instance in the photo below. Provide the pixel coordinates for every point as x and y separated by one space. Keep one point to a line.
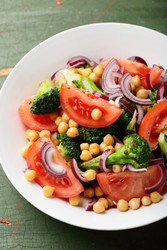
94 41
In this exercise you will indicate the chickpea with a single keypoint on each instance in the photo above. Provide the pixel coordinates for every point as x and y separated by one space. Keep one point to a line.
25 148
86 72
110 147
74 201
65 117
116 168
84 146
53 116
98 70
98 191
122 205
94 77
32 135
73 124
98 207
58 120
72 132
94 148
89 192
155 197
136 81
96 114
108 140
146 201
102 146
134 203
104 201
48 190
62 127
56 142
86 155
30 174
45 133
142 93
138 88
110 202
118 146
90 175
132 86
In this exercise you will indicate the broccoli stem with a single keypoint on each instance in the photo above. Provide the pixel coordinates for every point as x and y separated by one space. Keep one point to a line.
119 157
163 143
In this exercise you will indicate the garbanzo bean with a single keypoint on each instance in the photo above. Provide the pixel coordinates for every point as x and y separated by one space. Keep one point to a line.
62 127
117 168
25 148
104 201
108 140
94 148
94 77
74 201
98 207
73 124
84 146
86 72
98 191
30 174
86 155
146 201
45 133
142 93
122 205
98 70
134 203
118 146
89 192
72 132
48 190
65 117
102 146
89 175
32 135
58 120
155 197
96 114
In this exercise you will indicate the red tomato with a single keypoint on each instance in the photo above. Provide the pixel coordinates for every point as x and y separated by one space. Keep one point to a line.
65 187
127 185
135 68
78 105
155 74
153 123
37 122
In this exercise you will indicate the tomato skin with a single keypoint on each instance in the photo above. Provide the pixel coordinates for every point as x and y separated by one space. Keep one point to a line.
155 74
150 120
36 122
78 105
127 185
135 68
65 187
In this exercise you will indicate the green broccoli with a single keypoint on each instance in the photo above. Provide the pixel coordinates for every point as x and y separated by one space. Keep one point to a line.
135 151
118 129
162 140
47 99
153 98
69 147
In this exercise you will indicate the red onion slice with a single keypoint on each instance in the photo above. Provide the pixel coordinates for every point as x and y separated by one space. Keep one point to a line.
76 171
131 168
156 161
127 106
148 81
137 59
165 82
88 203
157 66
80 60
107 80
50 166
54 76
102 162
125 87
140 114
100 95
160 93
161 181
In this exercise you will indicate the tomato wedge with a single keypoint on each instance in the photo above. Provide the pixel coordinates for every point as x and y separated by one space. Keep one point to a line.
155 74
37 122
135 68
154 122
78 105
65 187
127 185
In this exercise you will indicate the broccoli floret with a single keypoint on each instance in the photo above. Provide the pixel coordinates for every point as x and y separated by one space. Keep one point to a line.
153 98
47 99
118 128
135 151
162 140
69 147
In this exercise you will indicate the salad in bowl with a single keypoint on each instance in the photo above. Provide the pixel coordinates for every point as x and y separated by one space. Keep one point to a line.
96 133
78 132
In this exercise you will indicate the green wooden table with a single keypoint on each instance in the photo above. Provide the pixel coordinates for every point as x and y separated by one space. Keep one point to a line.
24 24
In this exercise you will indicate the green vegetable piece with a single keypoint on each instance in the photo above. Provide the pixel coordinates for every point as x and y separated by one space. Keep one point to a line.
153 98
47 99
135 151
69 147
162 140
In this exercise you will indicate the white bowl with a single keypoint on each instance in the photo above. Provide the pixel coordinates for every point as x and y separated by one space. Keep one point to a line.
93 41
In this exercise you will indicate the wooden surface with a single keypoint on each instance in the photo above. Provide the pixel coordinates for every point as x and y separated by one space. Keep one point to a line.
24 24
